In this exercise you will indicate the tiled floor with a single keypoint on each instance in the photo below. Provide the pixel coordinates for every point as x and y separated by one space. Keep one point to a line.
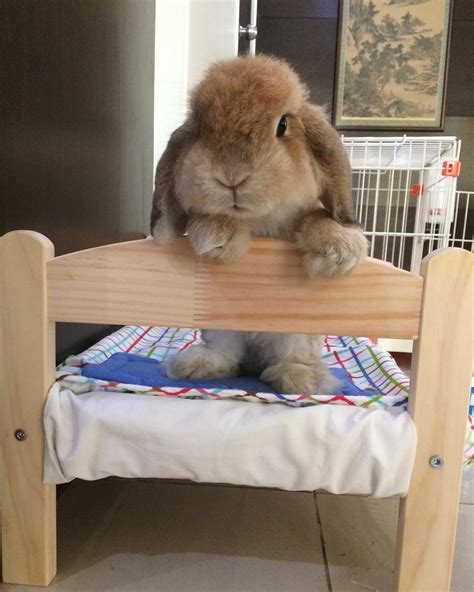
142 536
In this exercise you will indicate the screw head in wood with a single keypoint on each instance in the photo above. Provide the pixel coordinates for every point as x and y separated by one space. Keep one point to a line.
20 435
436 462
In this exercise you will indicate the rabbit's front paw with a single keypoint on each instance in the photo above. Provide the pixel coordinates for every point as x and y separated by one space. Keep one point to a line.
218 237
331 250
333 260
198 362
297 378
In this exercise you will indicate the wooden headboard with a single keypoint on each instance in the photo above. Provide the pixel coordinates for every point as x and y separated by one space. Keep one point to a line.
140 283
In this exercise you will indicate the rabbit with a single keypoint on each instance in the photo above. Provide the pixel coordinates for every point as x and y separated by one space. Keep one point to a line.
255 158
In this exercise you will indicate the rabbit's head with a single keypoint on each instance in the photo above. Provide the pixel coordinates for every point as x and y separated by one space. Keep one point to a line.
252 147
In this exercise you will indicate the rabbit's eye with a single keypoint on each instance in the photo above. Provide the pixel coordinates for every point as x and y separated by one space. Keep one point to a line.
281 127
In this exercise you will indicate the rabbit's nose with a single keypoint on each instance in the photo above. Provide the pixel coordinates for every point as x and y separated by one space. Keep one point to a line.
233 182
239 180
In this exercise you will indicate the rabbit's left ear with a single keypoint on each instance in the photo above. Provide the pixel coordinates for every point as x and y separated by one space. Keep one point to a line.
327 149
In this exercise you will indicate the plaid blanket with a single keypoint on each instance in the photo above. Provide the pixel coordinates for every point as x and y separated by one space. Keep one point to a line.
368 367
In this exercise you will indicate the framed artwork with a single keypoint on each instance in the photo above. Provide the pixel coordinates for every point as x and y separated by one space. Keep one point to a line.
391 64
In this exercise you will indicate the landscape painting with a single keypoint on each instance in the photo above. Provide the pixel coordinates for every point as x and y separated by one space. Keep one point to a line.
392 63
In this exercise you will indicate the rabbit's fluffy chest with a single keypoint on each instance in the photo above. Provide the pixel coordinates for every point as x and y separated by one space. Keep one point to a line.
282 226
274 229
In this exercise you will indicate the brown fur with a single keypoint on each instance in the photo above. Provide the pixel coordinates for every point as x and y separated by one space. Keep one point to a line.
227 154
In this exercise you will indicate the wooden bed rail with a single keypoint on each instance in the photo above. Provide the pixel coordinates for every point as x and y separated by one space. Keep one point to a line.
140 283
27 361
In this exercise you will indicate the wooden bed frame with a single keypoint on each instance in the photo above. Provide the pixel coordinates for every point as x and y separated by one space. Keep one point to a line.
140 283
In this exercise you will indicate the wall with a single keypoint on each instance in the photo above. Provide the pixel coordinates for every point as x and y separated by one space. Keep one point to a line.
76 120
190 34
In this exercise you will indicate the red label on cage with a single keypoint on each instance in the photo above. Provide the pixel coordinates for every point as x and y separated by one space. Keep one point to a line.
451 168
417 189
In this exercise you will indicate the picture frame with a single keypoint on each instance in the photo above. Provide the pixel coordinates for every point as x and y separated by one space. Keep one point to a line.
392 60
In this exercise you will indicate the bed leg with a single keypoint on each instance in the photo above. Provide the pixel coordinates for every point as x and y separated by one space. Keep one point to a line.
439 405
26 372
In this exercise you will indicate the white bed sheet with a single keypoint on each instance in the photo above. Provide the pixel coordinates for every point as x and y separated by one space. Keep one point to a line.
340 449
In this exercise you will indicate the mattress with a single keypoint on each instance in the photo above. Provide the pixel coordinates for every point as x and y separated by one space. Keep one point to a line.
342 444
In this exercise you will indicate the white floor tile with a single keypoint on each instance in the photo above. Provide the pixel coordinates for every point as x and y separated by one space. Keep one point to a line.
467 487
359 536
463 566
145 536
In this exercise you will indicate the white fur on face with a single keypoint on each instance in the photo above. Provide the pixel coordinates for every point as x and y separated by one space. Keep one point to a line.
275 191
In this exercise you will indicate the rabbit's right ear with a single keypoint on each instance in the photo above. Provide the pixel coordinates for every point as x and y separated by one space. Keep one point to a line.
168 219
327 149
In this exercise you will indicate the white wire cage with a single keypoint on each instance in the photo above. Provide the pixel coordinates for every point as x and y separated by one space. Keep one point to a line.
404 190
462 228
